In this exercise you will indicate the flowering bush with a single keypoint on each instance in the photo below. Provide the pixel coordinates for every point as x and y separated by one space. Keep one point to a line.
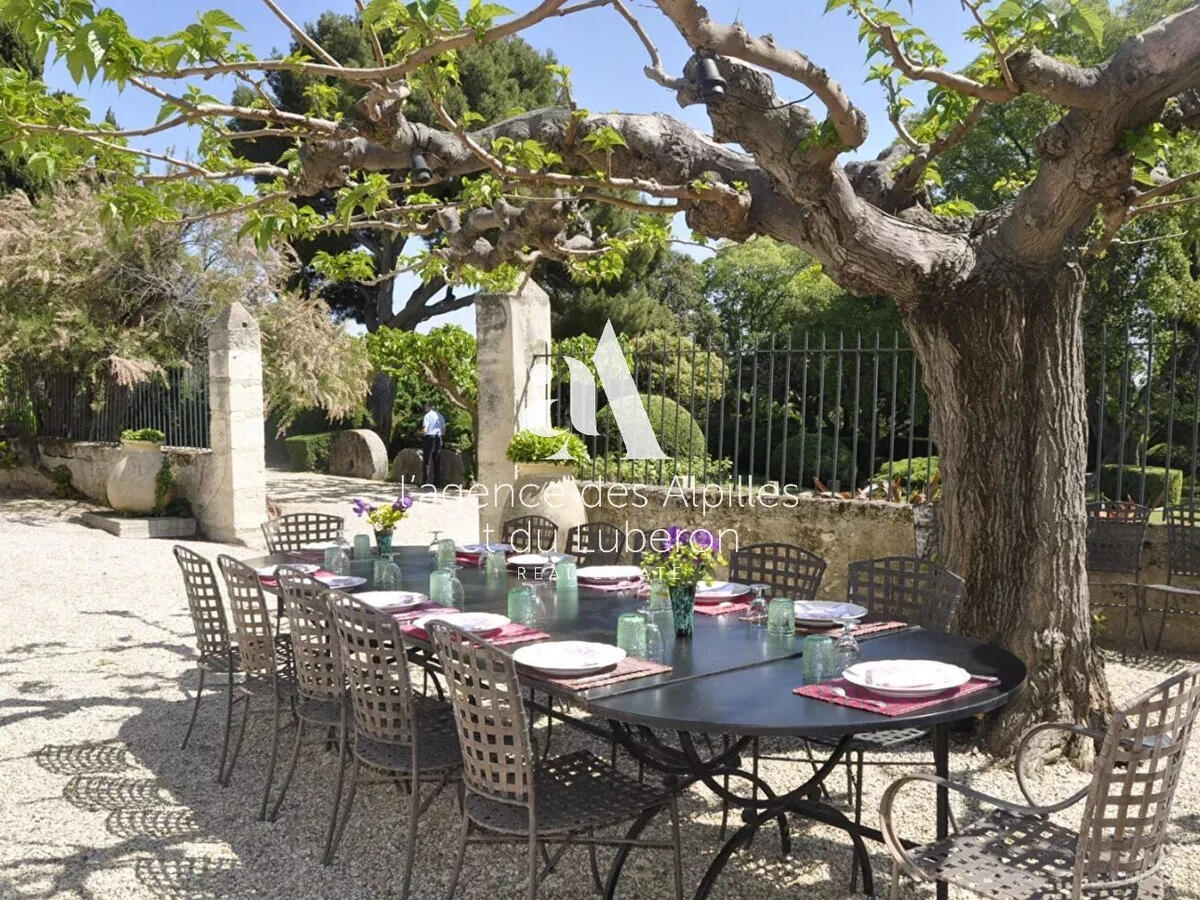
383 518
683 557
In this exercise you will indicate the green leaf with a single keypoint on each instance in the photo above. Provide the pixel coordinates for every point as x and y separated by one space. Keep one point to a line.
1087 21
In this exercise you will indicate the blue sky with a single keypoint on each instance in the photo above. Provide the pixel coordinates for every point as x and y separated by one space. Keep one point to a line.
605 56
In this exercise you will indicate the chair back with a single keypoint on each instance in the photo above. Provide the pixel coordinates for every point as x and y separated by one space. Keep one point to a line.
603 543
293 531
906 589
375 668
204 602
530 534
318 675
1125 818
489 715
256 636
1116 531
790 571
1183 542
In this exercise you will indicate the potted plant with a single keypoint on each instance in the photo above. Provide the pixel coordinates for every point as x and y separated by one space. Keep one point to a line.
682 560
545 485
383 519
136 483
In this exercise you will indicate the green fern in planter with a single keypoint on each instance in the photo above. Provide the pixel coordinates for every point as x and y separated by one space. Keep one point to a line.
153 435
527 447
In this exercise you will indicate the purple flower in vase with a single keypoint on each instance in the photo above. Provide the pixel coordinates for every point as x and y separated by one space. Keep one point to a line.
361 507
402 503
675 536
703 539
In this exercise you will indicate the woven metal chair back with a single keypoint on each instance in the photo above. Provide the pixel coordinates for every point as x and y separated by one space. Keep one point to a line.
251 621
927 530
204 602
293 531
318 676
1183 542
530 534
375 668
603 543
906 589
789 570
1125 818
489 715
1116 531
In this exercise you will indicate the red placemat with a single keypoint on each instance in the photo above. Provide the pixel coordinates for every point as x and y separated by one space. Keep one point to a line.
274 582
866 629
886 706
626 670
720 609
516 633
469 559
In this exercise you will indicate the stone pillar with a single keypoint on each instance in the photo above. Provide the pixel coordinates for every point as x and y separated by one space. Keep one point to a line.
510 330
237 503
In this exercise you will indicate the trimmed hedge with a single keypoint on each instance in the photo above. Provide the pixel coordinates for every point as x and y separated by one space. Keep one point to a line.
1180 454
923 468
1157 481
309 452
683 441
802 474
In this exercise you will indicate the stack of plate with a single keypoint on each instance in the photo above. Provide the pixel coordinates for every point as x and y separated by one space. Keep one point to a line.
607 574
529 561
709 592
272 570
482 624
906 678
391 601
826 612
568 659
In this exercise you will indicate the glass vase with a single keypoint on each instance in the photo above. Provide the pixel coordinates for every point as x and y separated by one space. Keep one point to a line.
683 608
383 540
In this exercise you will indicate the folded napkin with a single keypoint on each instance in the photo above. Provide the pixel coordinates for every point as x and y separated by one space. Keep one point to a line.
803 610
720 609
860 698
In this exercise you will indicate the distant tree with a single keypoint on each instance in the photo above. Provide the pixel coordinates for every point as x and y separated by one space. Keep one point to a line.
15 173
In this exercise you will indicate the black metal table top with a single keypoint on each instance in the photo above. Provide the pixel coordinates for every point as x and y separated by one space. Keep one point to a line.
729 677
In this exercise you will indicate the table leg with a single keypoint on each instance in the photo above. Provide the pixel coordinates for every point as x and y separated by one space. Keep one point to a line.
941 765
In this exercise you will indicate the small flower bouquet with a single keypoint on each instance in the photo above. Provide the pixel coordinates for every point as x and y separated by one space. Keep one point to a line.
383 519
683 560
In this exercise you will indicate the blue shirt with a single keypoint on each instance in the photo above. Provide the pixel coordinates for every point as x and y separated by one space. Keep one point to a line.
433 423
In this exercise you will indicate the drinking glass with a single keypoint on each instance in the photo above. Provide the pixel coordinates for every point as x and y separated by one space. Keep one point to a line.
566 573
496 563
819 660
445 552
781 617
846 651
520 604
362 546
458 594
339 563
631 634
656 650
386 574
330 552
757 613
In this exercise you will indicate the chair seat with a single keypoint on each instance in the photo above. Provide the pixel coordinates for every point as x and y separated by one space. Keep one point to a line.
877 740
437 743
1017 857
319 712
574 792
220 662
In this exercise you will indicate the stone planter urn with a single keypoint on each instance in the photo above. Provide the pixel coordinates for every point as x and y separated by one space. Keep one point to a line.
548 489
133 482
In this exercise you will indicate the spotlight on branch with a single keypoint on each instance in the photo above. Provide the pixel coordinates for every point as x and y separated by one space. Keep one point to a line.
421 173
708 79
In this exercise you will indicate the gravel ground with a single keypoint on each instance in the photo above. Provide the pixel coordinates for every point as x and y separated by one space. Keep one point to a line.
98 800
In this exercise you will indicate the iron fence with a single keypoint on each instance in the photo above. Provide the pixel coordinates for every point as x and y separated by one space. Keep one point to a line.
847 411
35 400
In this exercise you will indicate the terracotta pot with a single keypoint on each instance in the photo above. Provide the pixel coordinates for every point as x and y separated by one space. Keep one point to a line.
132 482
550 490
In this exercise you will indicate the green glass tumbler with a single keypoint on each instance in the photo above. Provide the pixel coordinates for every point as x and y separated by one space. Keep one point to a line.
496 563
445 552
631 634
819 662
385 573
566 573
781 617
362 546
520 605
439 587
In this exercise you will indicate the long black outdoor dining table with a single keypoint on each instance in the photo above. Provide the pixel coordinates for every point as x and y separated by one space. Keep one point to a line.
732 680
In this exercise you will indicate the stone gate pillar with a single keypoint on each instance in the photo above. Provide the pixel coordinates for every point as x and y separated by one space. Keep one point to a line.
510 330
237 503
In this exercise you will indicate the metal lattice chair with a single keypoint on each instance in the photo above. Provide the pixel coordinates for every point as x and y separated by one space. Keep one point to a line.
1017 852
217 652
599 543
266 659
1183 561
511 795
788 570
530 534
396 731
1116 532
293 531
320 689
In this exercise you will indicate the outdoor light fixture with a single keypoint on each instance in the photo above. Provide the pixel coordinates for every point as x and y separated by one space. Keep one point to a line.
708 77
421 173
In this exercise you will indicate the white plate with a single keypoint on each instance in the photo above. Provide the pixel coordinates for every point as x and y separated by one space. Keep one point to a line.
341 582
303 568
480 549
720 591
392 601
481 624
826 612
568 659
607 573
906 677
320 545
528 561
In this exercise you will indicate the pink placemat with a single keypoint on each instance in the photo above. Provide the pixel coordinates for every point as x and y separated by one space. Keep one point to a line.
886 706
516 633
415 612
634 584
626 670
867 629
469 559
720 609
274 582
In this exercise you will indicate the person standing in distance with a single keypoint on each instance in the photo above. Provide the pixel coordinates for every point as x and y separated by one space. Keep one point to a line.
433 427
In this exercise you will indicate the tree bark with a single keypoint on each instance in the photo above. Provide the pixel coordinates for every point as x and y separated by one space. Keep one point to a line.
1002 359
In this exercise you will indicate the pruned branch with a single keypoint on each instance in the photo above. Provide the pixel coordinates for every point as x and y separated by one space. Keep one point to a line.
301 35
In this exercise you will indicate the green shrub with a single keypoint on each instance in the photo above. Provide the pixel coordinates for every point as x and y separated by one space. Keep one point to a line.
1181 456
677 431
922 468
8 456
613 467
790 468
527 447
309 452
1131 484
143 434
